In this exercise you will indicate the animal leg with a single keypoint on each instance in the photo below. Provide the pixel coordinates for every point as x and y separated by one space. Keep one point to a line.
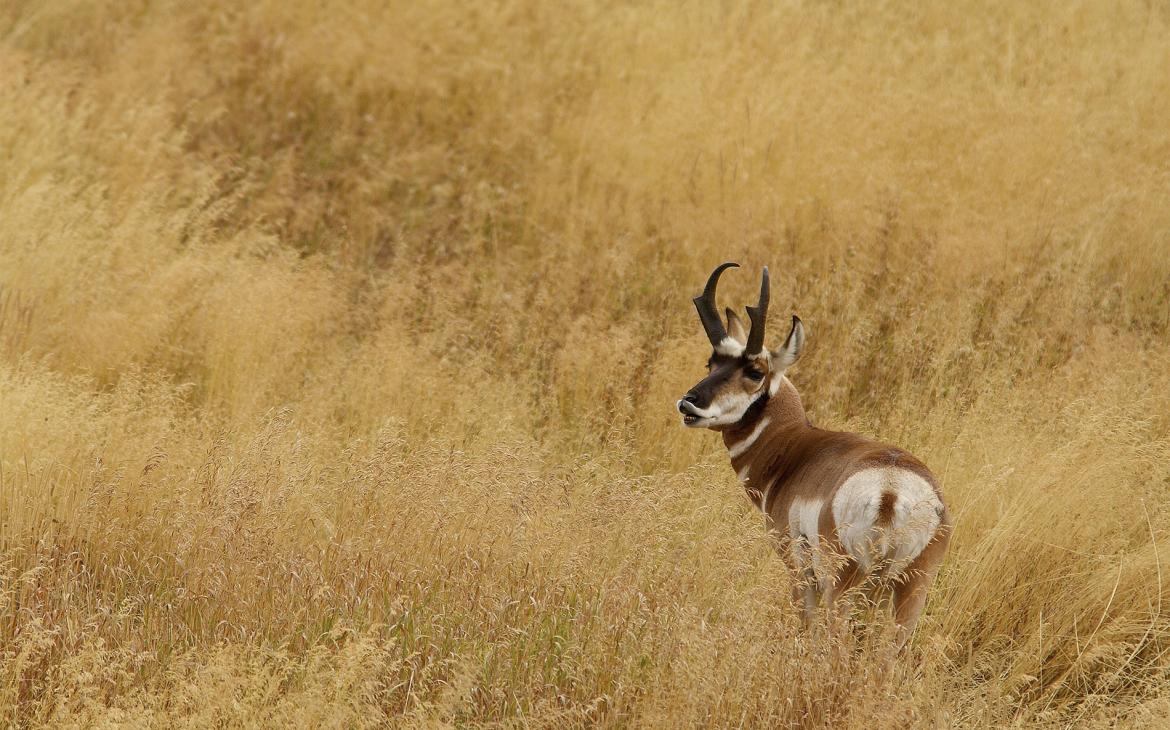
840 596
806 593
909 599
849 576
910 590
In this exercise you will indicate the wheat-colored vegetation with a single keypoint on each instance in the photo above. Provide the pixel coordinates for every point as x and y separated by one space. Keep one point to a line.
339 343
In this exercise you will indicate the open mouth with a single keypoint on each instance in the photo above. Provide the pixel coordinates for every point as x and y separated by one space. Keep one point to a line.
690 418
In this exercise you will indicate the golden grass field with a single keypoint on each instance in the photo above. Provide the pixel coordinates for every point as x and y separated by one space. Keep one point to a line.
340 341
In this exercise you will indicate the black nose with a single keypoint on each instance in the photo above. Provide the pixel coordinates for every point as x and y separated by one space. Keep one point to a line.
688 398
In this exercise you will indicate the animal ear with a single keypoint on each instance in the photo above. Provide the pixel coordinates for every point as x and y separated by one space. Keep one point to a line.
789 352
735 327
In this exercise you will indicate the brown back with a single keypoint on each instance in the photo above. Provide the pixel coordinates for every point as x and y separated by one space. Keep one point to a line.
792 458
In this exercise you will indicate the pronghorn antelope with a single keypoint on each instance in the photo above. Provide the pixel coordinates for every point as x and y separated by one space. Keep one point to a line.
852 507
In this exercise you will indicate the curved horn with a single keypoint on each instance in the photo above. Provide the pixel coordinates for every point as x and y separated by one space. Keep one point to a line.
758 315
708 312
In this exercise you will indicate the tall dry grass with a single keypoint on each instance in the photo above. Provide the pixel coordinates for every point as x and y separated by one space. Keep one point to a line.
339 342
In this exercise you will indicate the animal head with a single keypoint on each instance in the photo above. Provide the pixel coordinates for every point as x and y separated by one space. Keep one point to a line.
741 370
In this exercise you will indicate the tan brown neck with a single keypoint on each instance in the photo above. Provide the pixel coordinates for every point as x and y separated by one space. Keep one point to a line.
767 439
784 410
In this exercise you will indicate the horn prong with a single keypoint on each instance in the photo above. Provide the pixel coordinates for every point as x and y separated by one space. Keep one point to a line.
758 316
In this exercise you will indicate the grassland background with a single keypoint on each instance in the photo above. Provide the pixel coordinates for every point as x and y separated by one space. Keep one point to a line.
339 342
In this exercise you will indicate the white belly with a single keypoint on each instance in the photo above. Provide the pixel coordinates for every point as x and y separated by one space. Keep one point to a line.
803 518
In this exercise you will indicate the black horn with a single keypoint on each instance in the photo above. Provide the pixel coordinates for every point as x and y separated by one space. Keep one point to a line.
708 312
758 315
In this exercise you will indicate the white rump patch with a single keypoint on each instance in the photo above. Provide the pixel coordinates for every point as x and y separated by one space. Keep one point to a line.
750 439
916 517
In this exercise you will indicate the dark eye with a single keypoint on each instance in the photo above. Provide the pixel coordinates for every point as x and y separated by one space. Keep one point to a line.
753 374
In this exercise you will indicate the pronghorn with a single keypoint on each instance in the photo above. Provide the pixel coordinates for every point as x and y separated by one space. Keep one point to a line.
852 507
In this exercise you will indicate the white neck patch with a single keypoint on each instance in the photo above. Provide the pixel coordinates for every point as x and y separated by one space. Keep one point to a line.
750 439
